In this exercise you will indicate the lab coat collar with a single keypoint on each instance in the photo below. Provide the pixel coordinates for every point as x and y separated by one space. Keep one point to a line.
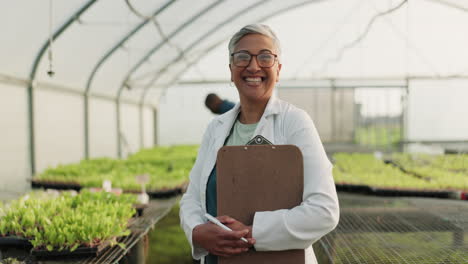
272 108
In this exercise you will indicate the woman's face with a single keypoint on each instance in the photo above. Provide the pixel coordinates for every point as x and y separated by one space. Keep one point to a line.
253 82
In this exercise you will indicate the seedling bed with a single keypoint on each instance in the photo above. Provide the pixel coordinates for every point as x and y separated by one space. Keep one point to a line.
55 185
162 193
165 192
396 165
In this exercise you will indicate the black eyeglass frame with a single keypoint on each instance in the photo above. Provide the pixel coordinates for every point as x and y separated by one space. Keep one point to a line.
256 58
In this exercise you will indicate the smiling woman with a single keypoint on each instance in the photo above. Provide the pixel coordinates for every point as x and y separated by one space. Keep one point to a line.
255 68
254 79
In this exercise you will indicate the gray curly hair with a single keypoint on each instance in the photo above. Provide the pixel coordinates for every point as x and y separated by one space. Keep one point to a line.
254 29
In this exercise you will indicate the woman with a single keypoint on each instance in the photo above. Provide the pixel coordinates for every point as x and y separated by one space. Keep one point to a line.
255 67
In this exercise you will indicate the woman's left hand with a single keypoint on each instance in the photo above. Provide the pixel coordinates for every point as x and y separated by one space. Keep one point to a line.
235 224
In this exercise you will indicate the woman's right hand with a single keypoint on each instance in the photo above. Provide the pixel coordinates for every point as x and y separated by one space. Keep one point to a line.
221 242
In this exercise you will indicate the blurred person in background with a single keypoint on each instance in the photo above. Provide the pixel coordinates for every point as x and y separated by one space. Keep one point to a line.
254 63
218 105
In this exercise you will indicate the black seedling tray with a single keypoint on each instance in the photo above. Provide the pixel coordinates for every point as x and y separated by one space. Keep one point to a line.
79 252
395 192
55 185
163 193
412 193
10 241
354 188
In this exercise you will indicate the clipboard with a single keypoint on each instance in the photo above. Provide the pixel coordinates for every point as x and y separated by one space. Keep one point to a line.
259 178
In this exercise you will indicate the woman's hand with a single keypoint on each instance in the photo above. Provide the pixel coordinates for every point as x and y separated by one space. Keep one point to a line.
221 242
235 225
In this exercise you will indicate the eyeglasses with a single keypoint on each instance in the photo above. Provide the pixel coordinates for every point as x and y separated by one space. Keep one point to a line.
243 59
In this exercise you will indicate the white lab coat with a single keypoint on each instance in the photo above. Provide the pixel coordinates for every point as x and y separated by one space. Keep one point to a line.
296 228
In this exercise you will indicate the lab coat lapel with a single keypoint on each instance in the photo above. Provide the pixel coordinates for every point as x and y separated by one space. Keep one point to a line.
221 132
226 122
266 127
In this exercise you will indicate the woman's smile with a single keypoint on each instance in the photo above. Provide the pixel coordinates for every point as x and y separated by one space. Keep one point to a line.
254 80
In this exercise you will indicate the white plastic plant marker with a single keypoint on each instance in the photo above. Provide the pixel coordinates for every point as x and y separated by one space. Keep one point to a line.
107 185
378 155
142 179
143 198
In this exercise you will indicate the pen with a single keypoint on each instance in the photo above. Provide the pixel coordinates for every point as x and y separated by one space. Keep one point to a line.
218 223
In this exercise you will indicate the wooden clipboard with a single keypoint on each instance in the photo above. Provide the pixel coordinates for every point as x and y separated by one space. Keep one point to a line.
259 178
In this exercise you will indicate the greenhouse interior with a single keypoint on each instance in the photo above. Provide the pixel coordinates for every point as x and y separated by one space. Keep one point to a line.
103 109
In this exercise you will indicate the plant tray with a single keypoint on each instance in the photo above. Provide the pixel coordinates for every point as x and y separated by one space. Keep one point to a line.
395 192
162 193
412 193
402 169
35 183
10 241
165 193
79 252
354 188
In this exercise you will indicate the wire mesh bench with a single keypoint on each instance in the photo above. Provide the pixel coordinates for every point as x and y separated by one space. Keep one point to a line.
397 230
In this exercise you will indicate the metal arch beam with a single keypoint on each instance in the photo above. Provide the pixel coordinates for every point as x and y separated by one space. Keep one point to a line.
121 42
217 27
104 58
275 13
146 57
161 44
451 5
32 77
195 43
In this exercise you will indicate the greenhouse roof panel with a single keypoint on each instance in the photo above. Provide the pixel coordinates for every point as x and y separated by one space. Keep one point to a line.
25 27
136 42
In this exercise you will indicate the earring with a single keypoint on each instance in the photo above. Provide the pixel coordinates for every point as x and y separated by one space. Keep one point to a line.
231 84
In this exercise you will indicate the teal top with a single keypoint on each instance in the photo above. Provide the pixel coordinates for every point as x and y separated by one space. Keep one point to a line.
240 135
